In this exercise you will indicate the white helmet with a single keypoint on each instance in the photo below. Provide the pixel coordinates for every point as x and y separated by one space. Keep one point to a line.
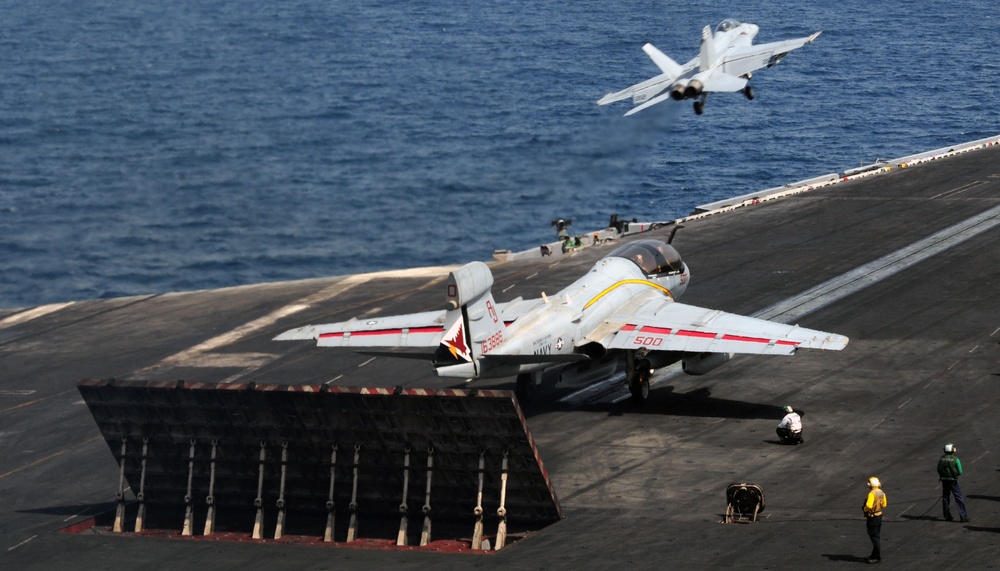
949 448
874 483
788 409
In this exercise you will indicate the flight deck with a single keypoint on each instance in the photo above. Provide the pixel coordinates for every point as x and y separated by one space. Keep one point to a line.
905 262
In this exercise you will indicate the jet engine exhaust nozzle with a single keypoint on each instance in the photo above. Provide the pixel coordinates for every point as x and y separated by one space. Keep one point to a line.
693 89
677 92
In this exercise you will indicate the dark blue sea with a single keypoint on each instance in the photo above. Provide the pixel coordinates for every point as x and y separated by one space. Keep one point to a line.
159 146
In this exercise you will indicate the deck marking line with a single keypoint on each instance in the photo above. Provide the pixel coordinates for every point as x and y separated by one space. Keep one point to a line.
873 272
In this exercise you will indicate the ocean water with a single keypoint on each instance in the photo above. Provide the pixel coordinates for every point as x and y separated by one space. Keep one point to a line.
153 147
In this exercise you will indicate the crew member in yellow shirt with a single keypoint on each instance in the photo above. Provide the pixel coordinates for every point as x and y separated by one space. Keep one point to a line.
874 504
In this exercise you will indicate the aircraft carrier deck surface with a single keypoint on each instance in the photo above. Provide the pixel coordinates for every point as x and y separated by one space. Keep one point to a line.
642 487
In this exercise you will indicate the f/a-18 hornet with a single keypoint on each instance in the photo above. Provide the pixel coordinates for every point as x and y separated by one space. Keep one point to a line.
624 310
724 64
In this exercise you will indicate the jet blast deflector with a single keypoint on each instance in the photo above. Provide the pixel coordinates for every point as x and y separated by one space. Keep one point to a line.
330 462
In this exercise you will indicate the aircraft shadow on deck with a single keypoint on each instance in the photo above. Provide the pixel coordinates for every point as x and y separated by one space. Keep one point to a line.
847 558
73 510
662 401
921 517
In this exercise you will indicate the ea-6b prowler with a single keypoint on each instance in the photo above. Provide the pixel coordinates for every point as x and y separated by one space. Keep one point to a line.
623 310
724 63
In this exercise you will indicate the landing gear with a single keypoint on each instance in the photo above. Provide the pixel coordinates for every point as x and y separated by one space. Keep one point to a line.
699 106
525 388
748 93
639 387
638 371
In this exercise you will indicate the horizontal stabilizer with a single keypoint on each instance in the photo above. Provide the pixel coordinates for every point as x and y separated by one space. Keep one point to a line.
422 356
414 330
617 96
719 81
650 103
533 359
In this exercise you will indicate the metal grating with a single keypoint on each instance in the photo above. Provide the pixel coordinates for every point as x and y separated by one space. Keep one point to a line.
308 422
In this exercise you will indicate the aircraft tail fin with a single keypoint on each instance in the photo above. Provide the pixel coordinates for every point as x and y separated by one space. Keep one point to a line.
472 325
663 61
707 55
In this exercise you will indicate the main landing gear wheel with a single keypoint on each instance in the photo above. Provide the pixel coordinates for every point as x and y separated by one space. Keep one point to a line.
748 93
525 388
639 387
699 105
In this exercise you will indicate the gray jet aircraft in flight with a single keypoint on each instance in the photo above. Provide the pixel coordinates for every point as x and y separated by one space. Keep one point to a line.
725 63
623 311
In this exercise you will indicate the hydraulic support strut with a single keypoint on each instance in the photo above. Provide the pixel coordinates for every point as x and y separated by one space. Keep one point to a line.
141 496
279 528
425 534
477 532
210 499
352 527
502 511
120 494
330 504
259 502
404 521
188 505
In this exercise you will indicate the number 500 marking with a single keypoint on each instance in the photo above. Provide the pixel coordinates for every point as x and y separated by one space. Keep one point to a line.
648 341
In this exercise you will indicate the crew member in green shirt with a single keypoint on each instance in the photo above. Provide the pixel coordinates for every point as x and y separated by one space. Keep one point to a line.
949 469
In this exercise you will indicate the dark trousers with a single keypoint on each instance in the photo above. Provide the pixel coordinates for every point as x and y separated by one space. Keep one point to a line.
786 434
874 524
951 488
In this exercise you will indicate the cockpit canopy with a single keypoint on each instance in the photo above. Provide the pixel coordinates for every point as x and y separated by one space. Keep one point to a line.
727 24
653 257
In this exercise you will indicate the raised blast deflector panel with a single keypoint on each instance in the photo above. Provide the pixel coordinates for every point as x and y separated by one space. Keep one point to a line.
456 427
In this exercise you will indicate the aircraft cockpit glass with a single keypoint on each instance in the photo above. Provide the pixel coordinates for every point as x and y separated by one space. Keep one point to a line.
653 257
726 25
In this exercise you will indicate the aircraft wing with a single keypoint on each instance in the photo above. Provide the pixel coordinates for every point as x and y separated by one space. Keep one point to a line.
663 325
742 60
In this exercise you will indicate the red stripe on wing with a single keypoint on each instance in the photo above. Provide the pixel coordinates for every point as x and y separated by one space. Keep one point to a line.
655 330
413 330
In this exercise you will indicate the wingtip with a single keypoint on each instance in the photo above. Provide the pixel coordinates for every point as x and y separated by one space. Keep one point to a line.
300 334
813 37
837 342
